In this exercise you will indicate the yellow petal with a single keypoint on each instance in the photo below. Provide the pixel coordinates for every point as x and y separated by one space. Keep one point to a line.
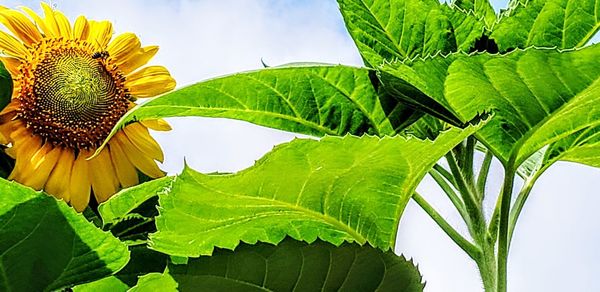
39 21
150 81
64 26
100 34
79 186
126 172
25 146
42 163
102 175
137 59
157 125
139 136
81 31
50 20
140 161
20 26
124 45
11 46
58 181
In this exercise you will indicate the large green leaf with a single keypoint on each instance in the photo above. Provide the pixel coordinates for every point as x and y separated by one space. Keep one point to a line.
46 245
314 100
563 24
337 189
293 266
539 96
396 30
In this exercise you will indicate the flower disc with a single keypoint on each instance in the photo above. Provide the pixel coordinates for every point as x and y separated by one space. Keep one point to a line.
72 99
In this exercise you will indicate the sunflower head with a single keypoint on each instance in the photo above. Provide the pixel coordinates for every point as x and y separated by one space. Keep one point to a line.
72 83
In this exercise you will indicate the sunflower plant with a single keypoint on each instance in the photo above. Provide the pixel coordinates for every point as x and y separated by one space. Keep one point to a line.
446 90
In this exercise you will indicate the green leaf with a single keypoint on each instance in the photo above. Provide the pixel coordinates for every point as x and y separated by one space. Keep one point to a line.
336 189
539 96
564 24
581 147
482 9
143 261
46 245
111 283
317 100
157 282
396 30
6 87
298 266
127 200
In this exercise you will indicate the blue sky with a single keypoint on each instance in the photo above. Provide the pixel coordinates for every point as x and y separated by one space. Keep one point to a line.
555 246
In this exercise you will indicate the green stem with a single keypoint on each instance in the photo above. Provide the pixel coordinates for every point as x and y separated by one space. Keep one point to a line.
505 197
473 251
469 154
519 203
454 198
494 220
462 184
445 173
487 267
483 174
476 223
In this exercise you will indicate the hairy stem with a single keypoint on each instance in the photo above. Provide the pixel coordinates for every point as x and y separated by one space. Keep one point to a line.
519 203
483 174
473 251
505 197
445 173
454 198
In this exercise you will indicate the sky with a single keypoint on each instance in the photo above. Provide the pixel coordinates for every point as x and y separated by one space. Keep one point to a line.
555 247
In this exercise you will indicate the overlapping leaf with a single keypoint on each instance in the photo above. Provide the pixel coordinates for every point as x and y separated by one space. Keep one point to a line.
292 266
563 24
337 189
539 96
46 245
396 30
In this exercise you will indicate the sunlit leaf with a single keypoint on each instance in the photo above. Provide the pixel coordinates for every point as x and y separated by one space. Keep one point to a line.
336 189
46 245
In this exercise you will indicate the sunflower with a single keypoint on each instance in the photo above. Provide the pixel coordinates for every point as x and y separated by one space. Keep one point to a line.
71 86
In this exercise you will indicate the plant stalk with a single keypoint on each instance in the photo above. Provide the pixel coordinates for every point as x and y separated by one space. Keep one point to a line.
503 244
471 250
487 267
454 198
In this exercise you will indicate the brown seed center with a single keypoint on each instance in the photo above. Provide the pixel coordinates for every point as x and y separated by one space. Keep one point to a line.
73 99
